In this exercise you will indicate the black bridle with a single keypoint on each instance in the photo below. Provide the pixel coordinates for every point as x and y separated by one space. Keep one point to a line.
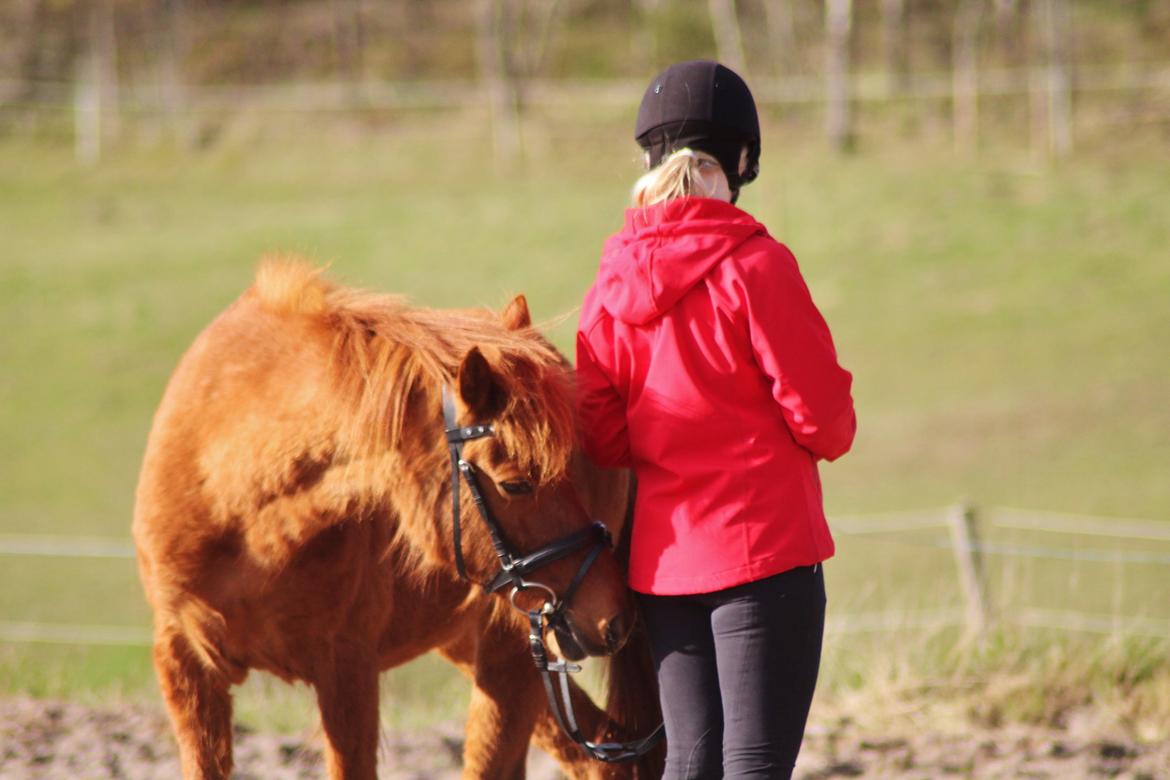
514 569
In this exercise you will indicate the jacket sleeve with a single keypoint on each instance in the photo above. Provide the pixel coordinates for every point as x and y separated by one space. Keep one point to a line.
601 411
794 349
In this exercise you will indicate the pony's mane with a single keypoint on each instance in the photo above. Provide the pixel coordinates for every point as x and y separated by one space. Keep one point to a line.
388 357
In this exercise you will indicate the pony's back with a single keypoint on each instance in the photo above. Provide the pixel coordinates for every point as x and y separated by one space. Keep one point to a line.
248 420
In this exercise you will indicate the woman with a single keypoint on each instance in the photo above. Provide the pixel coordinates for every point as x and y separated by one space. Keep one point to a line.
704 365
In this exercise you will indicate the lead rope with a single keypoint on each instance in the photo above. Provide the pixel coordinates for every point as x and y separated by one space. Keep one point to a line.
562 706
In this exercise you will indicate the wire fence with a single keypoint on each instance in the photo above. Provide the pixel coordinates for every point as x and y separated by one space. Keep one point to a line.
1122 93
1015 542
967 539
329 96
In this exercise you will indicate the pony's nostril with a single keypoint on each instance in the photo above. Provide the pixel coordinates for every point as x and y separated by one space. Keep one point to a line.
615 632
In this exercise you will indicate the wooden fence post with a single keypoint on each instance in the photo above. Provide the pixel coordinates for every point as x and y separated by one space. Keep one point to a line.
964 527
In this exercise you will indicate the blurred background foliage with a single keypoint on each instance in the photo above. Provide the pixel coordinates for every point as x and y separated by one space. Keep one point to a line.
254 41
94 67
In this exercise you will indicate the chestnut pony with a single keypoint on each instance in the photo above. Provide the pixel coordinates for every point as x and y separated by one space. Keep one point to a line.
294 515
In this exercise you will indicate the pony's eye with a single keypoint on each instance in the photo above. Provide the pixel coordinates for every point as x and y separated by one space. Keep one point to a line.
516 487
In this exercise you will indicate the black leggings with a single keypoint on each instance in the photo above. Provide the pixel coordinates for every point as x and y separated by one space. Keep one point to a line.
736 674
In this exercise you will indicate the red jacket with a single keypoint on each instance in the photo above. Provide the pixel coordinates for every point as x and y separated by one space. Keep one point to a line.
704 365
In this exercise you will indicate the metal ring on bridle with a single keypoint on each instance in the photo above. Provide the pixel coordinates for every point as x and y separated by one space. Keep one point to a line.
550 604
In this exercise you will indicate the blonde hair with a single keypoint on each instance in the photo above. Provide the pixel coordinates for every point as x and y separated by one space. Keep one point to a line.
685 172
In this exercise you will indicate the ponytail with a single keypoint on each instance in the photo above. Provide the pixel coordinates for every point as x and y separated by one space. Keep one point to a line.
685 172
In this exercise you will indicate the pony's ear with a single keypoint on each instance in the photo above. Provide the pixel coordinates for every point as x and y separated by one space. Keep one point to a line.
479 387
515 314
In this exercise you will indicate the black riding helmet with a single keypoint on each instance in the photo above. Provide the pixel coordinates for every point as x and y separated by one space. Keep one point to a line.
704 106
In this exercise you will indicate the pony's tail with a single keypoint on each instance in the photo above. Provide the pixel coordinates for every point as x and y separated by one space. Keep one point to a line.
632 686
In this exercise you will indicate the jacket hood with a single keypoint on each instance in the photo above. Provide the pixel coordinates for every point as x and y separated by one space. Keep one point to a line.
664 250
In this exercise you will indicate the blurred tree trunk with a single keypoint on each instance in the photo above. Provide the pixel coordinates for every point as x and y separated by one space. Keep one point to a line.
1051 81
1005 12
1059 47
645 31
728 41
96 103
171 79
498 78
1007 30
19 56
965 75
512 43
530 35
895 52
348 38
781 21
838 109
419 15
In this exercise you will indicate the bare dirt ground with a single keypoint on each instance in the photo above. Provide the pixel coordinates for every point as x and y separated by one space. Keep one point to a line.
48 739
846 750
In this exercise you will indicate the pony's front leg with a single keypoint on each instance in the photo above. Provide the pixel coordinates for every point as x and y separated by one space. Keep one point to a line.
199 702
503 711
347 695
505 698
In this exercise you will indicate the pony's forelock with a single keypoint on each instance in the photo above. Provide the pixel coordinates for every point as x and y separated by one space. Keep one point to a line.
537 427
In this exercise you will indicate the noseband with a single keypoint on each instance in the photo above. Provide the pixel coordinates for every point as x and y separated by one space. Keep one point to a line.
514 569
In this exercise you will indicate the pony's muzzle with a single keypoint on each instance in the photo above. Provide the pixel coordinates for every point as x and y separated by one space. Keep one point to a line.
574 645
565 642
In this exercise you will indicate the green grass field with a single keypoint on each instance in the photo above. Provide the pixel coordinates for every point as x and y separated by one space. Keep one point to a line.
1007 323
